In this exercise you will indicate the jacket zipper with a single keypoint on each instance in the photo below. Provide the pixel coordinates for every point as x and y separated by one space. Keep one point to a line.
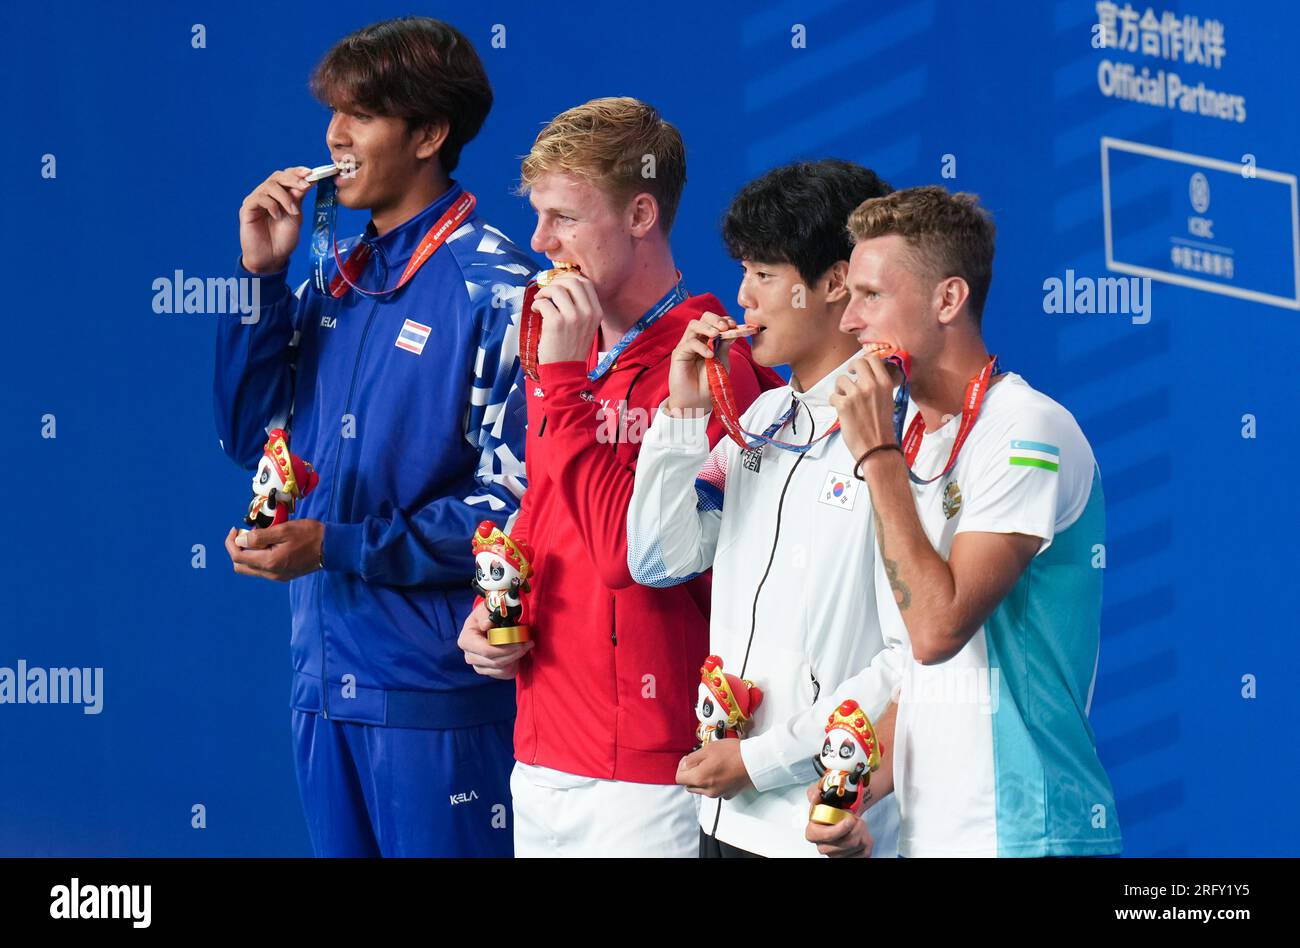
753 616
334 497
627 400
780 507
613 626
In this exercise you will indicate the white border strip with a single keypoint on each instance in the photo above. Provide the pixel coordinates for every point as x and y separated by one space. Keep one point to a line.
1187 158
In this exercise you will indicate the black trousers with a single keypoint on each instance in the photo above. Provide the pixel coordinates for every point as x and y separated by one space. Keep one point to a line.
713 848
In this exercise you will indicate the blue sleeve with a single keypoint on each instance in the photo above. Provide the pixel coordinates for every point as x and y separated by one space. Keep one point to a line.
430 545
253 380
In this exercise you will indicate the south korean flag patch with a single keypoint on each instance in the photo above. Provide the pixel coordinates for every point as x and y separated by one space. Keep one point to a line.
840 490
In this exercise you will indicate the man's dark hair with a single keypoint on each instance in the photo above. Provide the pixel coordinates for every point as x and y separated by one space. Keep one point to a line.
796 214
415 68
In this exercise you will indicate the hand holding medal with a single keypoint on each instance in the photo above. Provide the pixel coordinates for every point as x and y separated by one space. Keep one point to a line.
723 399
864 398
530 327
568 298
565 301
270 220
873 422
701 353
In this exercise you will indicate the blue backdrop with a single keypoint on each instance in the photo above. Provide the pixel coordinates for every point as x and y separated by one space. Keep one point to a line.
155 142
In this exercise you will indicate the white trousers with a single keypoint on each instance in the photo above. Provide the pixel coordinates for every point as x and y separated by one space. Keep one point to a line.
559 814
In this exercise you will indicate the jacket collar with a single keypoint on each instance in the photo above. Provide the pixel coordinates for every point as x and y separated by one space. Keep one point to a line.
815 402
657 342
819 395
399 243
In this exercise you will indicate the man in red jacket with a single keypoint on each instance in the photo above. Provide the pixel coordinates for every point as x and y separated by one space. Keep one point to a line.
607 686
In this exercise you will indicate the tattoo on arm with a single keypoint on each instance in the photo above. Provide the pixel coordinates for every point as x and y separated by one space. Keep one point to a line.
902 595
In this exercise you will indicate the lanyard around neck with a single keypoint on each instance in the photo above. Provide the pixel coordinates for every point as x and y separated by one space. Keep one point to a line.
323 242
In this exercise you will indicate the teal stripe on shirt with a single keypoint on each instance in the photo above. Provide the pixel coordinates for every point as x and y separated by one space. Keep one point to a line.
1053 797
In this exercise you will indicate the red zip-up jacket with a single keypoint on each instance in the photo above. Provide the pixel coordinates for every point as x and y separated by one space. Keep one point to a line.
608 689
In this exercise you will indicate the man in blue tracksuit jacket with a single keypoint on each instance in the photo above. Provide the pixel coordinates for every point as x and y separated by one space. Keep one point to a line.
403 403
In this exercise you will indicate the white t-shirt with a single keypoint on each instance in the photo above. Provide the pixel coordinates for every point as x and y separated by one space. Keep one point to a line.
993 751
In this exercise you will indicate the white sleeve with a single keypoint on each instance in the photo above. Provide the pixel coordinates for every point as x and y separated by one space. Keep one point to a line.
1032 477
783 754
676 509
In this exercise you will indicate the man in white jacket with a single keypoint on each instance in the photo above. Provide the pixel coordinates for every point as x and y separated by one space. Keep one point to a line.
785 526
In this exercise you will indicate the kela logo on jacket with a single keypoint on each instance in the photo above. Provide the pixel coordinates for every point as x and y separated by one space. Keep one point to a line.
840 490
463 797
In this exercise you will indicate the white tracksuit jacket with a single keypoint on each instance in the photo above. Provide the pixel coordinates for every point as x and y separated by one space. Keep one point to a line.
791 541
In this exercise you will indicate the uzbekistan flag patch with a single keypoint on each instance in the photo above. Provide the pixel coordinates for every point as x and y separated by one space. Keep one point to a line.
1035 454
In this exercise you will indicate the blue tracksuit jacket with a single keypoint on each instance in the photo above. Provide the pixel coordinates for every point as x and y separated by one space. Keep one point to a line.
415 445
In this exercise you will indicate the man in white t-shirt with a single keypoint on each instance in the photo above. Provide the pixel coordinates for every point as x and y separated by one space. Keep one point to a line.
990 520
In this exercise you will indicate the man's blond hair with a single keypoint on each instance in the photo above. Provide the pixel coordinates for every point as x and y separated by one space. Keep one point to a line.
621 145
949 234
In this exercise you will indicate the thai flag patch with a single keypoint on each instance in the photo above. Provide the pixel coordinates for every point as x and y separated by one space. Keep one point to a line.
413 336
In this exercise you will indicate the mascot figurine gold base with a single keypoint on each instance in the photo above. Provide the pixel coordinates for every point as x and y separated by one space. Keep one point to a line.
848 756
502 568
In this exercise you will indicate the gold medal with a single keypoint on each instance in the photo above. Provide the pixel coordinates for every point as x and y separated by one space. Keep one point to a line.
545 277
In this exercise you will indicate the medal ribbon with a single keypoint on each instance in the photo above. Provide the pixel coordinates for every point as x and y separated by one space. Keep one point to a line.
323 241
723 396
530 330
910 442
